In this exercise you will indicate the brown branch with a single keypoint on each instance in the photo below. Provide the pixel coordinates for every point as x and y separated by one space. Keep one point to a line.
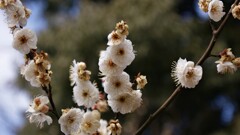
206 54
48 91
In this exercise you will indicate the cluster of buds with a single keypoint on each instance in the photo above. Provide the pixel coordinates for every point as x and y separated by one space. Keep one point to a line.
141 81
37 111
227 63
114 127
236 11
37 71
117 36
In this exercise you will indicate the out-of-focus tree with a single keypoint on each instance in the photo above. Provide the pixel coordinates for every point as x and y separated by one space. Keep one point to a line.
160 35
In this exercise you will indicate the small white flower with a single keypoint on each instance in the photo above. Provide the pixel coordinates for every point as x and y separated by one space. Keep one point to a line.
15 12
24 40
226 67
215 10
124 102
90 123
37 109
85 94
39 118
115 85
115 38
30 73
70 120
137 99
186 74
122 54
107 66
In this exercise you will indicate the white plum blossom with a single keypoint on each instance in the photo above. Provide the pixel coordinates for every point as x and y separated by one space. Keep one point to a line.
90 122
226 67
115 38
126 102
74 73
215 10
137 99
39 118
85 94
70 120
114 85
30 73
122 54
186 73
37 109
24 40
107 66
15 12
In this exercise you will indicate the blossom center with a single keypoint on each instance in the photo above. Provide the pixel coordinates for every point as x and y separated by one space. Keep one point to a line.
70 119
121 51
111 64
117 84
23 39
190 73
85 94
122 99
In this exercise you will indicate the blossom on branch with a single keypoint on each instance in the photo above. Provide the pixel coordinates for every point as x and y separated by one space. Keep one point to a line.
90 122
227 63
215 10
70 120
236 12
37 111
24 40
186 74
85 94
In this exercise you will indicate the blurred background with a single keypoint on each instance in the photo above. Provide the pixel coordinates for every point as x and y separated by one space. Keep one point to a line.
161 31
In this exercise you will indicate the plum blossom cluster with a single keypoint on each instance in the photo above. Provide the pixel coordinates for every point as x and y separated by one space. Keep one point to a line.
112 62
227 63
36 69
215 8
85 121
186 73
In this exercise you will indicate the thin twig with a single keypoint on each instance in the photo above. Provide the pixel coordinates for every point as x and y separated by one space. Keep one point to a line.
203 58
48 91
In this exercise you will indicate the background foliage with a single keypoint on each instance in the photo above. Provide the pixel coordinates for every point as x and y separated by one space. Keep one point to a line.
161 31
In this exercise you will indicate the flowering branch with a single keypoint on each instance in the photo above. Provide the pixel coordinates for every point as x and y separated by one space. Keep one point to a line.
206 54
